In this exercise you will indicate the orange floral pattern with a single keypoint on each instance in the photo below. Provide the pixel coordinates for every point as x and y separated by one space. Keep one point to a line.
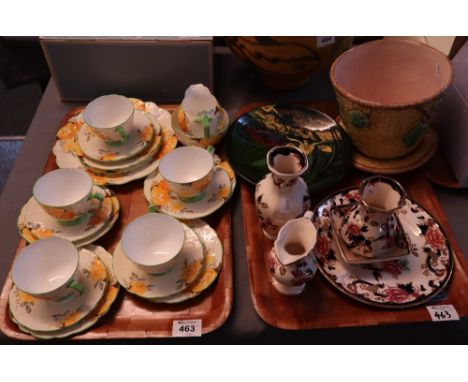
138 287
69 131
201 184
25 297
138 104
42 233
223 193
28 235
100 180
98 271
191 272
108 156
182 122
69 319
60 213
227 167
205 280
169 144
102 214
160 197
107 300
146 134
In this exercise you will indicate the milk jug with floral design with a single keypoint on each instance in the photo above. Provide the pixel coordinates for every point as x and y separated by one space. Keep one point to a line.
371 227
291 260
282 194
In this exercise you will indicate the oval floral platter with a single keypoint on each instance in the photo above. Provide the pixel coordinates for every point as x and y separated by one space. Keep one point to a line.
328 148
403 283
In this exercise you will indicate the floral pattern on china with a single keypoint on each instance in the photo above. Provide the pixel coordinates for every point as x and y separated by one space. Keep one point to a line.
370 227
69 154
399 283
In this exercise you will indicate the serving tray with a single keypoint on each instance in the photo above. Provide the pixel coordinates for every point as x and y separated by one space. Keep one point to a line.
321 305
133 317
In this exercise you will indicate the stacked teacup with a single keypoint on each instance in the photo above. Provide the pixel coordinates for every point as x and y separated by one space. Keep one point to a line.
118 140
66 204
58 290
199 120
164 260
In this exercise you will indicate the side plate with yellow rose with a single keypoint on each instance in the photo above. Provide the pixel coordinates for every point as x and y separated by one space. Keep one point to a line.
187 268
100 310
212 263
220 190
41 315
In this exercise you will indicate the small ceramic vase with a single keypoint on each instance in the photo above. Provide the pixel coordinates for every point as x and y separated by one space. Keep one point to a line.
282 194
371 228
291 260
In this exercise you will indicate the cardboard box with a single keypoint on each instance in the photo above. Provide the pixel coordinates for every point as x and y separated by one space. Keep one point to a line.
150 68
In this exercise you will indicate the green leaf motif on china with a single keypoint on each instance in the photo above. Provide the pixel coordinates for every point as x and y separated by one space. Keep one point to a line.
413 136
358 119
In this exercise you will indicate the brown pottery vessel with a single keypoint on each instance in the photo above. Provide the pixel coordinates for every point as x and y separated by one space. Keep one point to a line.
388 92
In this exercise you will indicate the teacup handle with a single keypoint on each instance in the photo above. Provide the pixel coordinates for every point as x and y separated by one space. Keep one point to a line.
76 286
205 121
123 134
96 195
210 149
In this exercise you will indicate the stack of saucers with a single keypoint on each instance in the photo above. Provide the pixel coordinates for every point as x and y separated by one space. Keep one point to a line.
59 291
115 139
66 204
165 261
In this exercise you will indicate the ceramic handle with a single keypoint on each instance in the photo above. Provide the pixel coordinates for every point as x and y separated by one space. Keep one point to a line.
76 286
210 149
308 215
123 134
205 121
97 196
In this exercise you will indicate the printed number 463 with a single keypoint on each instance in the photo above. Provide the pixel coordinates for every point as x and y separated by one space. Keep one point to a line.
187 328
442 315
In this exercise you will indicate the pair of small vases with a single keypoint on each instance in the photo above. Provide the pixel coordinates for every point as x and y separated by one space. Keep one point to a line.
282 203
370 228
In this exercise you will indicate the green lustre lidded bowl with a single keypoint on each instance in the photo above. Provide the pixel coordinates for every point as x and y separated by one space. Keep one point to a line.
388 92
327 146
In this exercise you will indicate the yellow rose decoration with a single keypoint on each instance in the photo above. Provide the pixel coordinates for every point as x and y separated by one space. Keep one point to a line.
138 287
205 280
191 272
138 104
68 131
147 133
102 213
226 167
223 193
160 193
108 156
70 319
99 180
42 233
25 297
28 235
181 119
108 299
98 271
168 145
